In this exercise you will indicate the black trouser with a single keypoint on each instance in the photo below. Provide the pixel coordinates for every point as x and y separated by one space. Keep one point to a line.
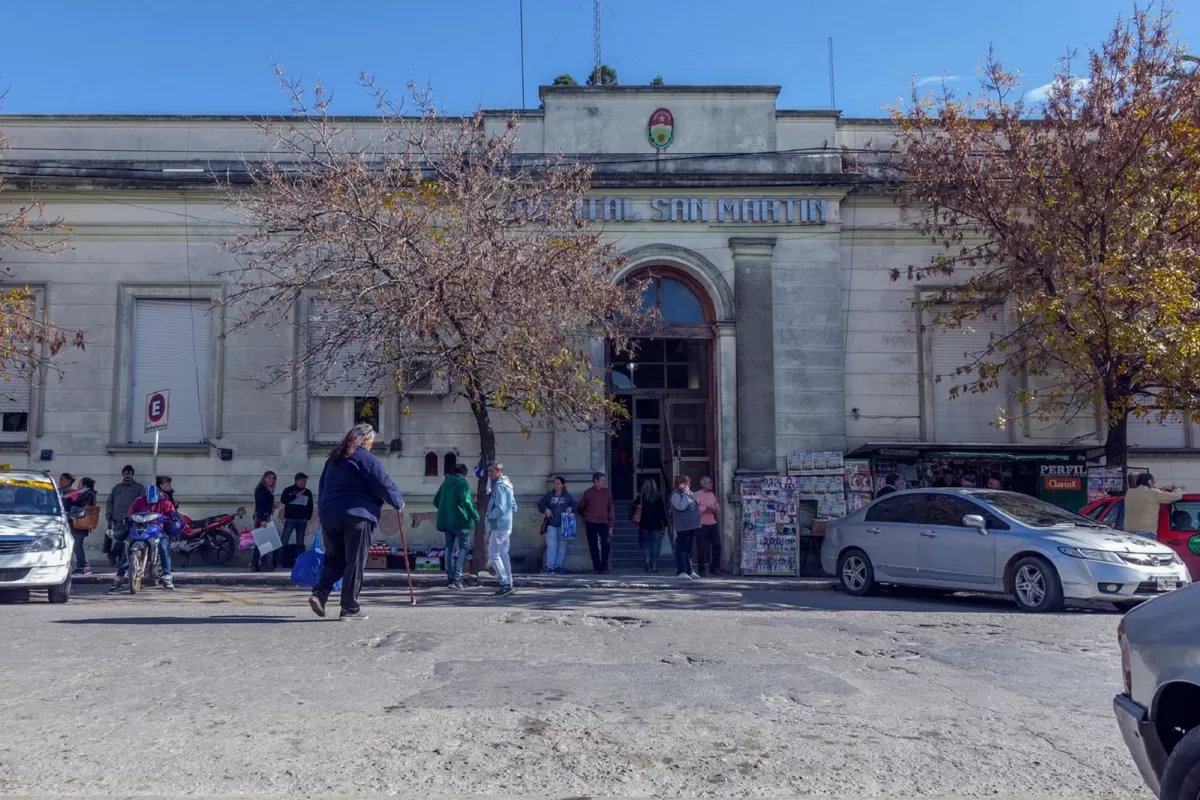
347 540
81 561
708 548
683 550
599 543
112 548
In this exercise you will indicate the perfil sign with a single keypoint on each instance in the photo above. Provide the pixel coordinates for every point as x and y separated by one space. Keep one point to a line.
735 210
1063 477
157 405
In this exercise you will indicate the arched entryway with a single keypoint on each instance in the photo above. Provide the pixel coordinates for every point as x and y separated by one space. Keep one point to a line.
666 386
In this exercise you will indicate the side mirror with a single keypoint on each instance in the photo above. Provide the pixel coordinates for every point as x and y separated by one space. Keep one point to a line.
975 521
77 513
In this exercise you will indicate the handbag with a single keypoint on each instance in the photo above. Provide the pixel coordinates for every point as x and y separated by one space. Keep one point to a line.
567 531
636 516
89 521
545 525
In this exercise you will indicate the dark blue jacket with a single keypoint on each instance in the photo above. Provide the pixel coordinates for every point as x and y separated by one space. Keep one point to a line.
356 487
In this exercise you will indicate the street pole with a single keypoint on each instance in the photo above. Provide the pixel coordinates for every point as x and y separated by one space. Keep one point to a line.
154 461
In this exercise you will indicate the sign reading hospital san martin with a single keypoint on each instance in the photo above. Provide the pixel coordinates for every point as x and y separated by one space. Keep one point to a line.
761 210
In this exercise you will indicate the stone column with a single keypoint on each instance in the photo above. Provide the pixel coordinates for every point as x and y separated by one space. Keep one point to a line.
755 352
725 459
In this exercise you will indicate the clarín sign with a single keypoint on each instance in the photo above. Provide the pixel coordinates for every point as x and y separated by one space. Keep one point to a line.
766 210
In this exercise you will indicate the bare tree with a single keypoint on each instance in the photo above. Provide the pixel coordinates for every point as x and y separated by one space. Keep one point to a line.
431 249
29 342
1081 226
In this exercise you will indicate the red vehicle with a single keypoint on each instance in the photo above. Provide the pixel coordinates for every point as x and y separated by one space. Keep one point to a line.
1178 525
215 538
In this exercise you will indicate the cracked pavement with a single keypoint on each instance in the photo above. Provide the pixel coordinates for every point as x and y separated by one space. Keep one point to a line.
559 693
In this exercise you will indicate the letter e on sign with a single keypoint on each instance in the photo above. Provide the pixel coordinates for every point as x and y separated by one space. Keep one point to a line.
157 404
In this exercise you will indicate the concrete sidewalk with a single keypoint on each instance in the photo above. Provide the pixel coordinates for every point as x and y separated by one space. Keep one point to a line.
232 576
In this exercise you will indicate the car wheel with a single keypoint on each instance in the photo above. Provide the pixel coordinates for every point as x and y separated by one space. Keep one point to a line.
1035 585
62 592
1181 776
855 573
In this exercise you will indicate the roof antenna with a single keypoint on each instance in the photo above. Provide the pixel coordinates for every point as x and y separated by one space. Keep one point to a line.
832 97
596 35
522 16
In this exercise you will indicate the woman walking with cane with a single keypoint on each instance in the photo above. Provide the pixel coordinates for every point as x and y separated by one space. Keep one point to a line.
353 488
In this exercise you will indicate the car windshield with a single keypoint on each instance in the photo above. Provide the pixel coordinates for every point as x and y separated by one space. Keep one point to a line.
31 496
1031 511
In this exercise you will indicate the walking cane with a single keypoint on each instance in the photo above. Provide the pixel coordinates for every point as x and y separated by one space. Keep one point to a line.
412 598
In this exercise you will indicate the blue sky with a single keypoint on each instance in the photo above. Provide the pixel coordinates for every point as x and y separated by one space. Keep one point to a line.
213 57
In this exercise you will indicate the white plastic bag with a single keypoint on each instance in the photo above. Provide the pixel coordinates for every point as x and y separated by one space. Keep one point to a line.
266 539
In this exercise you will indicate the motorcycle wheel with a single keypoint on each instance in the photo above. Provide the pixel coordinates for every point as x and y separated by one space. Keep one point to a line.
218 548
137 568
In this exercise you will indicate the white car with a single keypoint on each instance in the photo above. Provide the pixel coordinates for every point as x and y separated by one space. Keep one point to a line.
36 547
1159 711
979 540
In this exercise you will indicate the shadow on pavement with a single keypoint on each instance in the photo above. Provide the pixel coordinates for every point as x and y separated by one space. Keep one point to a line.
228 620
893 600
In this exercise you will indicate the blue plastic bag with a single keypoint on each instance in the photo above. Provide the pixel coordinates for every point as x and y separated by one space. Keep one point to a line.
307 569
567 531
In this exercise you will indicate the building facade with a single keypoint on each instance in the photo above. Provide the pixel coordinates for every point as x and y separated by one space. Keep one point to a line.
784 329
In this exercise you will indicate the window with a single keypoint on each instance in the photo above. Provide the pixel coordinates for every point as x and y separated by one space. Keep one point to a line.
340 396
948 510
171 350
969 417
674 301
449 463
1115 518
14 406
1095 511
903 508
1148 433
1031 511
331 417
431 465
1185 516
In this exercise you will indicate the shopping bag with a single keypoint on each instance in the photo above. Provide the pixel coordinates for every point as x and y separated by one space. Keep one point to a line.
307 569
567 531
266 539
89 521
245 540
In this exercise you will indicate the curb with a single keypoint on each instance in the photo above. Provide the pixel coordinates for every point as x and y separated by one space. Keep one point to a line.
283 580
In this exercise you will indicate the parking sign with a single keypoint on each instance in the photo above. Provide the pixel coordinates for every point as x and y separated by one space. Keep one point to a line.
156 410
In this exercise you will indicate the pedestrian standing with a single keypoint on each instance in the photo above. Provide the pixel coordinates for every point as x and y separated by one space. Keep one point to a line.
456 518
685 516
708 543
552 506
650 514
117 510
297 502
889 486
166 488
66 482
82 498
499 522
264 507
596 508
351 492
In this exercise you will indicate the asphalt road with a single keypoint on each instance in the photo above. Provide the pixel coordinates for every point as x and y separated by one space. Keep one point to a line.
558 693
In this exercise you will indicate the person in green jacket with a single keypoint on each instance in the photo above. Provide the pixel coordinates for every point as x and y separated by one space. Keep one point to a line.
456 518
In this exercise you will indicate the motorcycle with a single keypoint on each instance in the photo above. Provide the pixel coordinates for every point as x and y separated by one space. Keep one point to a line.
142 546
214 538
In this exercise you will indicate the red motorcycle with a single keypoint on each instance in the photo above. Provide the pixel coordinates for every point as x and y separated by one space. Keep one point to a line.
214 538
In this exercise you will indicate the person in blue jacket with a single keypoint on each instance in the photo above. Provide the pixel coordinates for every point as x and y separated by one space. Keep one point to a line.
350 495
499 522
553 505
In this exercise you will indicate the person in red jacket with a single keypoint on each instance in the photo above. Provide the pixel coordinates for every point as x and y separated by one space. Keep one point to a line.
596 508
150 502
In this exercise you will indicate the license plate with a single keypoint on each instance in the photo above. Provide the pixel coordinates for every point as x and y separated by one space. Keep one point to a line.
1168 584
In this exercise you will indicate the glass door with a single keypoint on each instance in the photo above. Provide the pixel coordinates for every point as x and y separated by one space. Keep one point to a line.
648 445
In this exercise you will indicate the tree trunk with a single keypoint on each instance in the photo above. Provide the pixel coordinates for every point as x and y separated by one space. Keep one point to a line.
1116 446
487 454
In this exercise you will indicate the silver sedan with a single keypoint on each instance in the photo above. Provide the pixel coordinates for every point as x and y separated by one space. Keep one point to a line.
982 540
